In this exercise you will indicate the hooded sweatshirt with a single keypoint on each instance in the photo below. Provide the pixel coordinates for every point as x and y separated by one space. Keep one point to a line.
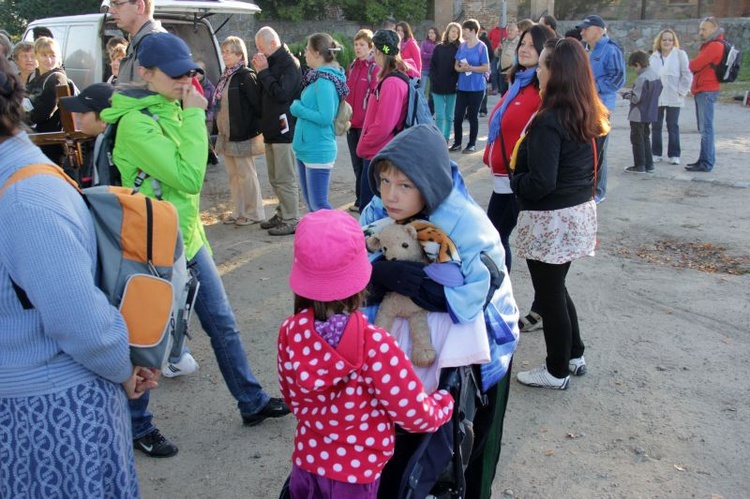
171 146
347 399
420 153
386 110
314 138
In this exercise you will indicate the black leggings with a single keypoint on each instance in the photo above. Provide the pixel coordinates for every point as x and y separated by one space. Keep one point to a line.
561 332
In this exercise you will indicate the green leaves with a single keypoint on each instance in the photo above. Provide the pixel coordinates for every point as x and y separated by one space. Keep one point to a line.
16 14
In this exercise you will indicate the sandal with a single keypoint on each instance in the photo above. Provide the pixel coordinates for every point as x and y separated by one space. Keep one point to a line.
229 220
532 322
242 221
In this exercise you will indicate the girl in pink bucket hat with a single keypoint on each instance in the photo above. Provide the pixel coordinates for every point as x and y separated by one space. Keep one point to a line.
346 381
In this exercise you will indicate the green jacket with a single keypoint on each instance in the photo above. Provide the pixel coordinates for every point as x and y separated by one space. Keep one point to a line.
171 146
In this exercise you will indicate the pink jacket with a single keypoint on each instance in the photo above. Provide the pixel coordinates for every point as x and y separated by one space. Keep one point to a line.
411 55
386 110
357 81
347 399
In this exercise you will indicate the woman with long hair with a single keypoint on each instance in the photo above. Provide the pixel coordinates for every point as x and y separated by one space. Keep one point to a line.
236 105
386 107
314 141
507 120
671 63
65 369
409 49
555 170
42 111
472 61
444 77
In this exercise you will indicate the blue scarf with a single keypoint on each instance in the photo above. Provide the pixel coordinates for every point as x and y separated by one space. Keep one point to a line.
522 79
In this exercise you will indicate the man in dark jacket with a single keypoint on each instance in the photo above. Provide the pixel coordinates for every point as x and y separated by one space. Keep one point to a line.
280 80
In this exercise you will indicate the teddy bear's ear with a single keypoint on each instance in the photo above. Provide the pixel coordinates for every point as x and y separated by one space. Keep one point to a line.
373 243
411 230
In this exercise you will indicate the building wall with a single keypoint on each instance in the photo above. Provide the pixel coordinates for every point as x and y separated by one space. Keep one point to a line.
630 34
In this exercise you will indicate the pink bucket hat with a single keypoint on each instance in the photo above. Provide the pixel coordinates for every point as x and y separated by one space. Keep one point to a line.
330 257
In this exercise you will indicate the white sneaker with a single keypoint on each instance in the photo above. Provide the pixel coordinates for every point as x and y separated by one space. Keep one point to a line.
674 161
186 365
539 377
577 366
657 159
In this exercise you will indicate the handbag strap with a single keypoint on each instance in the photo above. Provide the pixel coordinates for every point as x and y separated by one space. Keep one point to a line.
596 162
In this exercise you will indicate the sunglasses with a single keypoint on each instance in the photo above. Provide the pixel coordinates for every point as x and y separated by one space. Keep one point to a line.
190 74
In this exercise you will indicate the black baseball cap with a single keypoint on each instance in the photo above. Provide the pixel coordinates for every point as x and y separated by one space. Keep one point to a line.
96 97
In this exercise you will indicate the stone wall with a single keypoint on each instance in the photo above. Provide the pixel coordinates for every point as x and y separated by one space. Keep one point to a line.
630 34
635 34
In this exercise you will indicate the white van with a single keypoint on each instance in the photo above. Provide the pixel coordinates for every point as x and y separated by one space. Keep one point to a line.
83 38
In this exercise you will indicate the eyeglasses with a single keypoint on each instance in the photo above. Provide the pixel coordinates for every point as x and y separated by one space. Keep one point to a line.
189 74
117 5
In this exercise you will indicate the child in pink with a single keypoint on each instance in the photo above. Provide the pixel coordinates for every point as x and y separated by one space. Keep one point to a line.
346 381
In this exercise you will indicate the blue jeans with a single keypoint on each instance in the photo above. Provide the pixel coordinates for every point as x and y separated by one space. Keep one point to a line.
673 132
217 320
494 75
704 113
314 184
601 176
445 105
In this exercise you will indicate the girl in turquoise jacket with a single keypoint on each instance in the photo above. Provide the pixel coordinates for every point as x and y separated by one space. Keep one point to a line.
314 141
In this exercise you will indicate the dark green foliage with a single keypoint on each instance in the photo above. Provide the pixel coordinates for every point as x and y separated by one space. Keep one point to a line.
15 14
373 13
344 58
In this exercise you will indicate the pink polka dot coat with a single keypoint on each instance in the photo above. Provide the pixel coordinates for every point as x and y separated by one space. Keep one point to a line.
347 400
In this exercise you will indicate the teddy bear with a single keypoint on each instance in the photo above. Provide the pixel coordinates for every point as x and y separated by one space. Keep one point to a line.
399 242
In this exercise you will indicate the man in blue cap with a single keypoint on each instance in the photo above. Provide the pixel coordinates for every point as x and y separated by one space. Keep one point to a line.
608 66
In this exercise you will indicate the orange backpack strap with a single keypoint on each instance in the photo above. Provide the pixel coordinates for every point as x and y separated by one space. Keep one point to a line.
39 169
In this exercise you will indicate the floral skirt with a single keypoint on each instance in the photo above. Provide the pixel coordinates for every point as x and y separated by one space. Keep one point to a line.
72 443
557 236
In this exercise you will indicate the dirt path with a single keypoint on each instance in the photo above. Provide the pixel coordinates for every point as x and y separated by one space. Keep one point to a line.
663 410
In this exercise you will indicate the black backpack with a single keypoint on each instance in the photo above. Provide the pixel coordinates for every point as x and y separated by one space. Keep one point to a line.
729 67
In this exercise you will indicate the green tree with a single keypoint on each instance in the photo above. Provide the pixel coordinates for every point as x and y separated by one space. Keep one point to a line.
15 14
355 10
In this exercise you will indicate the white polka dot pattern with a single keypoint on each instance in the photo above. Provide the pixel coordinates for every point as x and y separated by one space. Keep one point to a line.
346 404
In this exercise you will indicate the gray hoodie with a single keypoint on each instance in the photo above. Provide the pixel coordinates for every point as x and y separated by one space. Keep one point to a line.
420 153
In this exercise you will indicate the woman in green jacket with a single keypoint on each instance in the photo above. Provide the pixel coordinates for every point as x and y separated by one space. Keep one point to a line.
163 145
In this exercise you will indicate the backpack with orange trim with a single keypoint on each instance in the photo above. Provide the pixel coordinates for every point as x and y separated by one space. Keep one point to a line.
140 265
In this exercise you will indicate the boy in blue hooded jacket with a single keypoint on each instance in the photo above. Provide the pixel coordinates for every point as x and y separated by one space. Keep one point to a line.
413 178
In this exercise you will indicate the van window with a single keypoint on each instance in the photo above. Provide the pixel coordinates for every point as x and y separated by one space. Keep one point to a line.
80 56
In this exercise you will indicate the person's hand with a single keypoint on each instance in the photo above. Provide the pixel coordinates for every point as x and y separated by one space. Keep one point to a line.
192 98
140 381
260 62
395 275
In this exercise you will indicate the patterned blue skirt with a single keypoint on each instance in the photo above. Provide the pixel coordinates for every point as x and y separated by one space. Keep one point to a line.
75 443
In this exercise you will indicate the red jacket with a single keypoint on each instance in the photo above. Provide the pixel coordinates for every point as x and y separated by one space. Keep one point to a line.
496 35
386 110
348 399
357 81
516 116
702 67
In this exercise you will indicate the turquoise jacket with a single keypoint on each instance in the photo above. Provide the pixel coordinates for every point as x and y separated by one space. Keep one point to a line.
171 146
314 139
